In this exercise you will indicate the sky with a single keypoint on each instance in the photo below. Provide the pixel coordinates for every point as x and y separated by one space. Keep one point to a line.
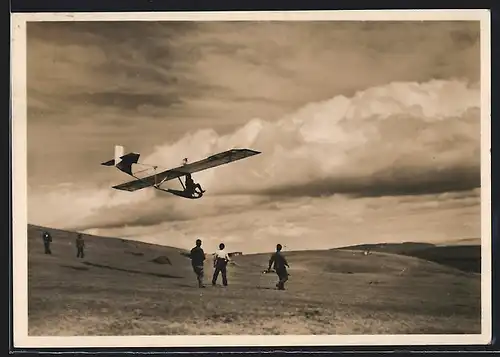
369 131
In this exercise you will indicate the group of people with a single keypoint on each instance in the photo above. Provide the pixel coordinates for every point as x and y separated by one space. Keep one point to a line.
221 258
79 242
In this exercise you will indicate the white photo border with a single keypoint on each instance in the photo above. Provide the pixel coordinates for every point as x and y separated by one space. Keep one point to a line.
19 183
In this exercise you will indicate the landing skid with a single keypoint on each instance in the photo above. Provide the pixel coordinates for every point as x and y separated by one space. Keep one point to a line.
184 194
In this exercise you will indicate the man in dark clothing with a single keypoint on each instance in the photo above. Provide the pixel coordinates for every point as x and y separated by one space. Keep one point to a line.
280 265
197 256
47 239
221 258
193 187
80 244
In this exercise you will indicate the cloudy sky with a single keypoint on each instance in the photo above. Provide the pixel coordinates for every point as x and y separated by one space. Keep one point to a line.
369 131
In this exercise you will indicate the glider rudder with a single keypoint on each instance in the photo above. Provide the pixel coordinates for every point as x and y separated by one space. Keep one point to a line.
119 152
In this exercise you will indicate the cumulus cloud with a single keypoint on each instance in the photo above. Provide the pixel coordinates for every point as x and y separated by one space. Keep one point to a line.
91 83
400 138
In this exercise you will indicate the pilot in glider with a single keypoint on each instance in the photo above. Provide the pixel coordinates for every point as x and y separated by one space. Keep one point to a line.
124 162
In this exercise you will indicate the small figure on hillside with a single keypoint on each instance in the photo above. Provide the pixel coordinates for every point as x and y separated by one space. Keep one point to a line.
197 256
280 265
80 245
221 258
47 239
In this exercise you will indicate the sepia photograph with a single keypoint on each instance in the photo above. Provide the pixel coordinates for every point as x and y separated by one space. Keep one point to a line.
289 178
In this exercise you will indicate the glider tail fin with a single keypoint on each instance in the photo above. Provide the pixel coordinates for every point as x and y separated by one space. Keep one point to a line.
119 152
123 162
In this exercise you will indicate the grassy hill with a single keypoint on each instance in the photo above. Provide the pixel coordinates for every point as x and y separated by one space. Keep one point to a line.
124 287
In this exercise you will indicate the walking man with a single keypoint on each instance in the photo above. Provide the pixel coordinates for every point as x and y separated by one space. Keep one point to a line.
47 239
80 245
221 258
280 265
197 256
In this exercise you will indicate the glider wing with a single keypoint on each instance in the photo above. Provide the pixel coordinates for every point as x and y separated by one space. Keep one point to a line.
211 161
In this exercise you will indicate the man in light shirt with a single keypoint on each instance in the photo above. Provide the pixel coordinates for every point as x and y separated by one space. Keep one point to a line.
221 258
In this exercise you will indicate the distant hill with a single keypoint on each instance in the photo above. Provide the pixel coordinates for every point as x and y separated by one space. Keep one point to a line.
461 254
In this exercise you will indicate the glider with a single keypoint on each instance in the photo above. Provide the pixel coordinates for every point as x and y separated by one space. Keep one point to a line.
124 162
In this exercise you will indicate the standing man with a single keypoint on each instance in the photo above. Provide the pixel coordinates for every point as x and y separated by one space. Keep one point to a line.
80 244
221 258
47 239
280 265
197 256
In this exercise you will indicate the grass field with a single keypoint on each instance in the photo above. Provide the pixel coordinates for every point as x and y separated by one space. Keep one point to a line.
130 288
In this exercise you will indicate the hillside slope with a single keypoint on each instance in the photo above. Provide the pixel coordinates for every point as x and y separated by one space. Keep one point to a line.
119 288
